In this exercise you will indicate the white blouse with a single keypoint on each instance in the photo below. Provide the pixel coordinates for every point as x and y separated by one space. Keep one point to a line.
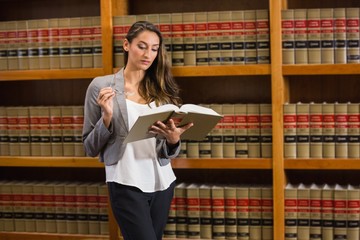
139 166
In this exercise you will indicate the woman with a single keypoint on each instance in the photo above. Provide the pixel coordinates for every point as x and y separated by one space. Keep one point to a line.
139 177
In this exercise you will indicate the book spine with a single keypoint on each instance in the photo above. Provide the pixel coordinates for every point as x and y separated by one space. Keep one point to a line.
352 35
64 42
3 46
70 208
238 37
266 213
29 208
216 134
230 212
78 121
353 130
314 36
86 32
288 37
340 35
103 209
290 213
201 39
303 212
34 45
315 212
255 212
38 189
75 42
8 203
118 36
302 130
12 46
250 36
253 126
165 28
82 219
60 211
56 131
205 212
189 39
327 35
177 40
242 205
340 212
192 149
54 51
18 207
205 144
92 200
24 131
68 130
4 135
23 51
97 42
13 132
328 110
45 131
263 36
352 212
181 212
49 208
300 36
241 139
193 211
214 37
316 129
327 212
341 130
170 228
44 44
228 130
226 47
266 130
218 212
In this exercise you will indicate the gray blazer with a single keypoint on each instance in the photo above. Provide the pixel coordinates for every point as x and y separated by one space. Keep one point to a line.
108 143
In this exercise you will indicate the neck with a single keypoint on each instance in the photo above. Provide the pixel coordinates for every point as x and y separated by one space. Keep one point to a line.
133 77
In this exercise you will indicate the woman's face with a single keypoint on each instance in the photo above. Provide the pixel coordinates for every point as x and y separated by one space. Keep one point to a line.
142 50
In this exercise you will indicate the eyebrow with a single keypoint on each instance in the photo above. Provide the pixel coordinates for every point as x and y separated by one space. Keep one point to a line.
155 45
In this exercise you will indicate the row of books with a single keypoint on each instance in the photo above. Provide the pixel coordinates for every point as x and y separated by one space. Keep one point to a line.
321 130
245 131
55 43
326 212
41 131
54 207
320 35
211 211
205 38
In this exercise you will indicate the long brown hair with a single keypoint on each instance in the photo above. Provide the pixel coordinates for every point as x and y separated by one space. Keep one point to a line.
158 84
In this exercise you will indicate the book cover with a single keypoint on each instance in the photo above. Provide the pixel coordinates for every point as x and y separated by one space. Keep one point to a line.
24 130
340 35
263 36
75 42
228 123
177 40
327 35
204 119
181 210
340 212
4 135
266 130
218 211
300 36
166 30
250 37
353 112
267 213
352 35
23 49
56 140
316 129
341 130
44 44
291 215
86 32
12 46
288 37
64 43
303 211
97 42
314 35
238 37
242 206
93 208
253 126
54 39
255 212
328 110
205 211
226 47
352 212
241 139
230 212
189 39
213 18
201 38
327 212
302 130
315 211
3 46
193 211
13 131
216 134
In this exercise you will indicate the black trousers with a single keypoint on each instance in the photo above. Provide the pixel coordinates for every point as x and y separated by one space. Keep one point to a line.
140 216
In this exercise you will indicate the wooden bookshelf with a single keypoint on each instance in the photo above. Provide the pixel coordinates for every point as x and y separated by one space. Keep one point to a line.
49 236
321 69
224 163
71 162
322 164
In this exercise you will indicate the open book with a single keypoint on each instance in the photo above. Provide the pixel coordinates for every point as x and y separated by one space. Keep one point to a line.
203 118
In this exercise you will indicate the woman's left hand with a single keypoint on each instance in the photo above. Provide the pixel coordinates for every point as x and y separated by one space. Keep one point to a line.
169 130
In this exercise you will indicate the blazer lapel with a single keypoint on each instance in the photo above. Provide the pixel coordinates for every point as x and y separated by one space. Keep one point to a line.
120 97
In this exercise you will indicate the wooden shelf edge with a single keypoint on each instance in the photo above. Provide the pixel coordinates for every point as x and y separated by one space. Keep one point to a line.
221 163
221 70
82 162
49 236
321 69
322 164
81 73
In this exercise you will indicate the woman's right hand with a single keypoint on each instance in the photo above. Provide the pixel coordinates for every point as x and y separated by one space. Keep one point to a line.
105 101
